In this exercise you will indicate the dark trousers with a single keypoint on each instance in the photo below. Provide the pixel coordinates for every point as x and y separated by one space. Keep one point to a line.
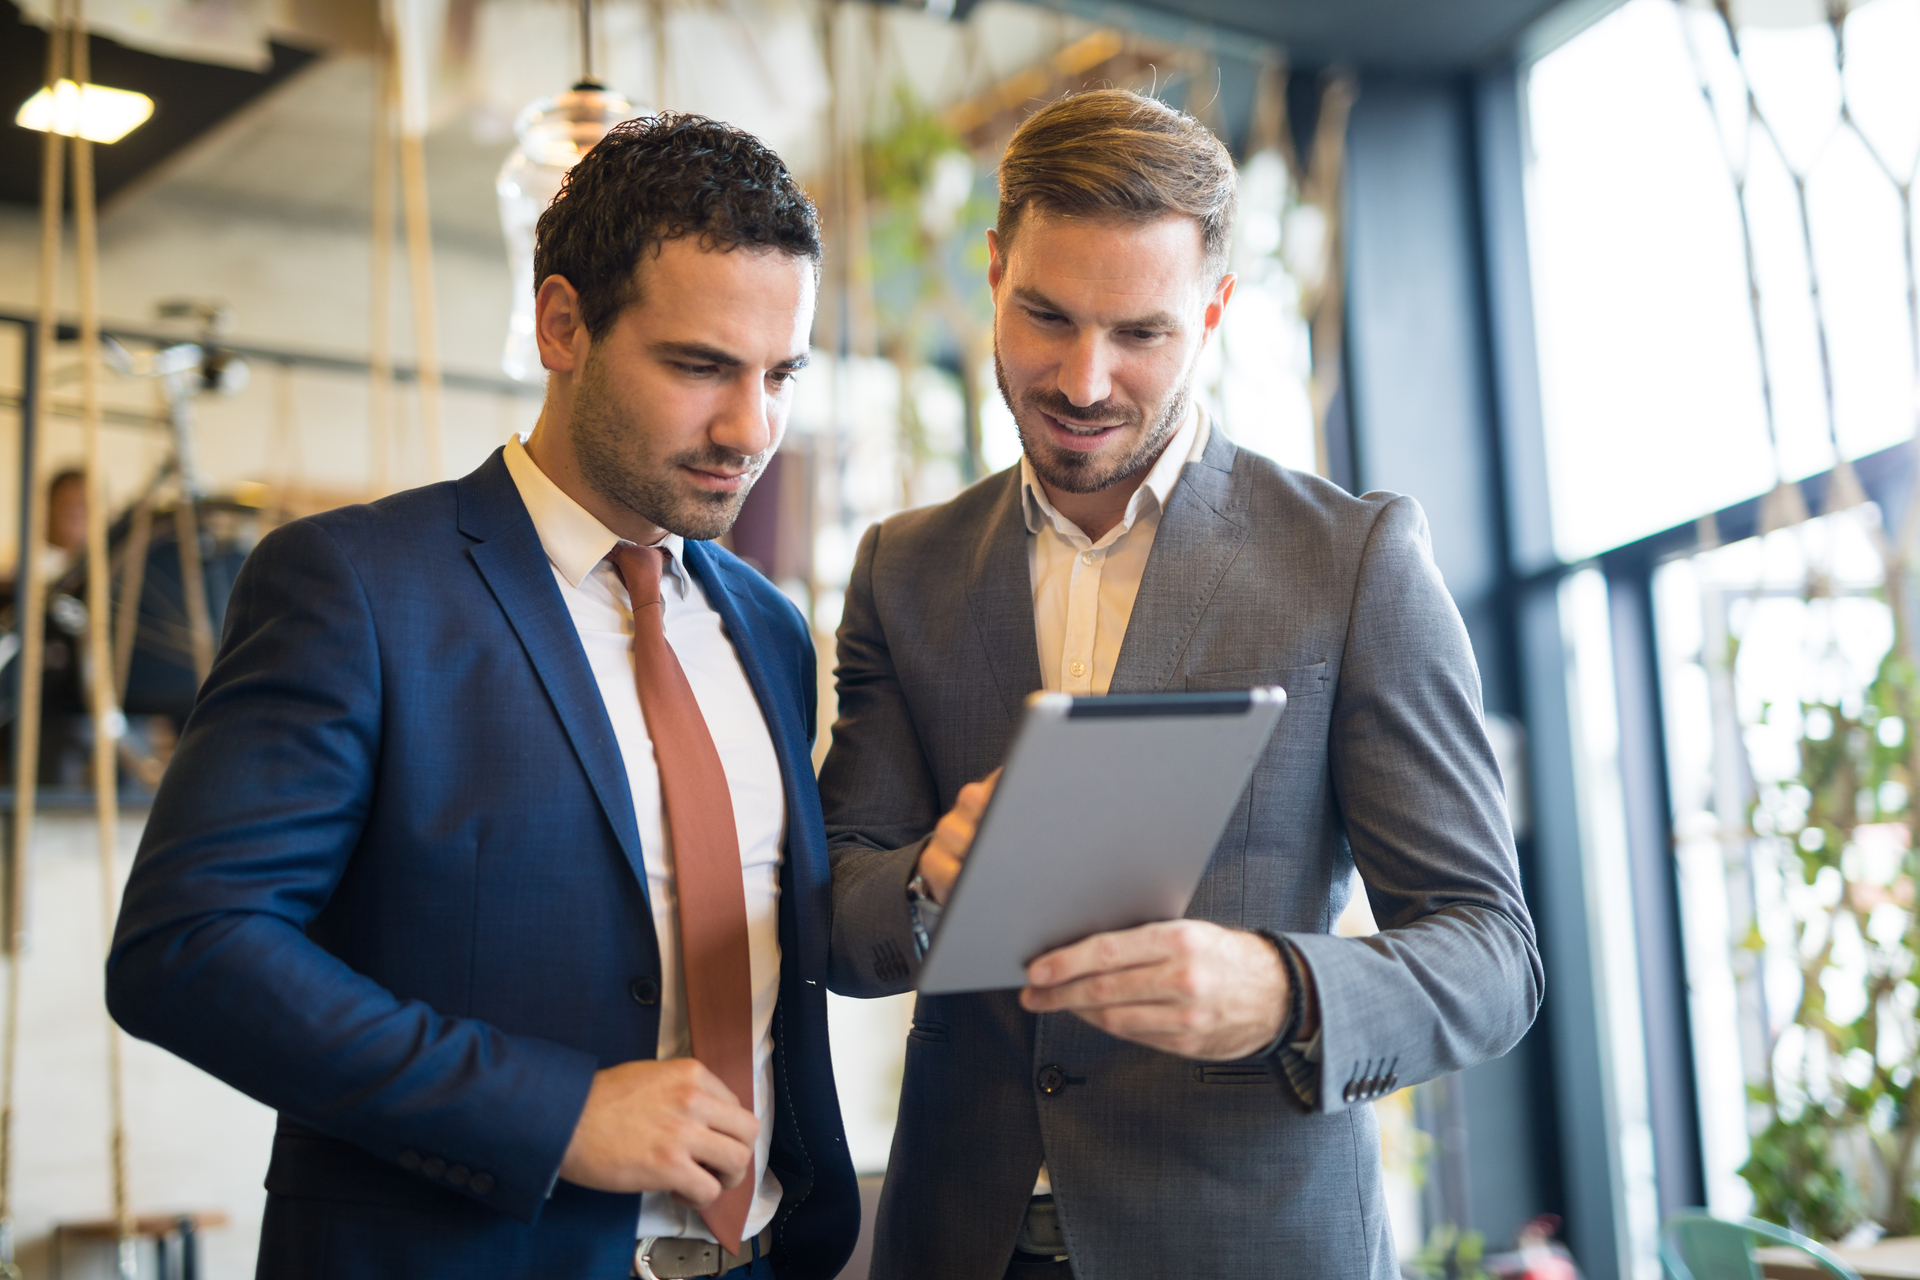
1033 1266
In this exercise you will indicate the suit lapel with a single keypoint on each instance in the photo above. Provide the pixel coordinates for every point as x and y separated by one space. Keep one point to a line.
748 629
1000 601
780 702
1201 531
509 556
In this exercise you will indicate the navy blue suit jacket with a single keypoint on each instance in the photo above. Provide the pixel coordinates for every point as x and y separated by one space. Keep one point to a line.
392 887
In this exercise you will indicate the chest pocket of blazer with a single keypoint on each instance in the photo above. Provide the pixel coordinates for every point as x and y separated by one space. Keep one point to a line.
1299 682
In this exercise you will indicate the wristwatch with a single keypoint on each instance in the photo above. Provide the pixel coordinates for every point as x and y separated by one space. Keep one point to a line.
923 911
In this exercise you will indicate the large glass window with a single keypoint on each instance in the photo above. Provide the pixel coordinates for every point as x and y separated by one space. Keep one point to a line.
1652 377
1721 225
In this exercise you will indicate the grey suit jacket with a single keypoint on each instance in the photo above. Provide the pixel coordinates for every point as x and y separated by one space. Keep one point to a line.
1162 1166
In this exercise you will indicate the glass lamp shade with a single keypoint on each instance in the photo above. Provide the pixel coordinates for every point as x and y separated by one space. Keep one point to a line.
554 133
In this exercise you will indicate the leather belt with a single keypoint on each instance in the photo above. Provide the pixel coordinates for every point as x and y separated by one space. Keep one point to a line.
678 1258
1040 1234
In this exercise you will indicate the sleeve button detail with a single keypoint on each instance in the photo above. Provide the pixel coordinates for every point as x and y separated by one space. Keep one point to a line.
481 1184
457 1175
410 1160
434 1167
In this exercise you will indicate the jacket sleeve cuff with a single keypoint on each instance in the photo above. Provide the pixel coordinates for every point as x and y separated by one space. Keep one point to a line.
511 1161
1294 1060
875 948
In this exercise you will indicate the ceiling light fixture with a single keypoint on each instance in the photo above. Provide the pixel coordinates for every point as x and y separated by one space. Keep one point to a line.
554 133
92 111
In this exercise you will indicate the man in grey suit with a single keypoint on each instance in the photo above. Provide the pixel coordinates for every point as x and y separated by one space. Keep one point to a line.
1178 1099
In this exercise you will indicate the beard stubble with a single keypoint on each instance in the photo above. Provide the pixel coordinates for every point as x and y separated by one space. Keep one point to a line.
1080 472
612 449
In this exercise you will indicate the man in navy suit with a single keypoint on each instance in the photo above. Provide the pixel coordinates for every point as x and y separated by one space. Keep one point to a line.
491 855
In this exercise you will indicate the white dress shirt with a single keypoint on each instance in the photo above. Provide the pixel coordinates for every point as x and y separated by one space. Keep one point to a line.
577 546
1083 591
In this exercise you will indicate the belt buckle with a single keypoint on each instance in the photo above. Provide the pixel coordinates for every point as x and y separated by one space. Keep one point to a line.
1040 1234
642 1265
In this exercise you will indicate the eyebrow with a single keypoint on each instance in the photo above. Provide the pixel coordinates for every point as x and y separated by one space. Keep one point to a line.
1158 320
701 353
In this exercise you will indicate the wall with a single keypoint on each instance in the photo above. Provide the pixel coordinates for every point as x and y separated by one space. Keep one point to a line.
193 1143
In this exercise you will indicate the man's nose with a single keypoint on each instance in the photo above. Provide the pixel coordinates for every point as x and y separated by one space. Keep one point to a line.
745 423
1086 376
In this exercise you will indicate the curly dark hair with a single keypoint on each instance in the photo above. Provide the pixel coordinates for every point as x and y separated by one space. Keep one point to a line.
659 178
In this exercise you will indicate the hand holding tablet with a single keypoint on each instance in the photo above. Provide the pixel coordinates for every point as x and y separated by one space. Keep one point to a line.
1106 816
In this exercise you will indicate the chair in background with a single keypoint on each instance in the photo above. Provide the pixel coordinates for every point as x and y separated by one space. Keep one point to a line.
1695 1245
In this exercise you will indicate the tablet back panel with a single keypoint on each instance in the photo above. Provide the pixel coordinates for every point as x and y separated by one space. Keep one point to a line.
1105 818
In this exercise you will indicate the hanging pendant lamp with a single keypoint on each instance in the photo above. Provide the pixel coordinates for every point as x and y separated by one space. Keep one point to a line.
553 134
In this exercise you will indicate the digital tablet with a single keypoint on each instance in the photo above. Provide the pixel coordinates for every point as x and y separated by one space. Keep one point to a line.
1104 818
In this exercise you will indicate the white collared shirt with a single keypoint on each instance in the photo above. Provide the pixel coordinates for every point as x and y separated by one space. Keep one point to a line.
1083 591
577 545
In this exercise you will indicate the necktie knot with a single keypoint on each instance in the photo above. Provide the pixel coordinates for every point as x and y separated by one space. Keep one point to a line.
640 568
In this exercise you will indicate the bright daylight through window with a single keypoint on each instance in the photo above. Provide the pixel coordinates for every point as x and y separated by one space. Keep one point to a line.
1721 215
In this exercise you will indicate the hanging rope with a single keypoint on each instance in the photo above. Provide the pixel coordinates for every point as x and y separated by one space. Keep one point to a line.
407 47
586 40
662 63
380 317
107 720
413 180
30 613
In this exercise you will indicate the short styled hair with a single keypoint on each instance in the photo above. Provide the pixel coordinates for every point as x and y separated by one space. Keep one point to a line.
659 178
1110 153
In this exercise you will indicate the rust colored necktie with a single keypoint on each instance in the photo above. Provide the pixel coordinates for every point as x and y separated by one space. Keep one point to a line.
706 863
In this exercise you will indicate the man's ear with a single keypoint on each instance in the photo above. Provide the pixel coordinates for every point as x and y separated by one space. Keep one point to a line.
558 326
1217 304
996 264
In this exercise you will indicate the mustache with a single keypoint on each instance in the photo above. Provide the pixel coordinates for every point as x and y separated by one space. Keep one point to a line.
1103 412
715 458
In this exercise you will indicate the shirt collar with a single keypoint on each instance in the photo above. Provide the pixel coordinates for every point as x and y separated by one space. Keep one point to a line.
1188 443
575 542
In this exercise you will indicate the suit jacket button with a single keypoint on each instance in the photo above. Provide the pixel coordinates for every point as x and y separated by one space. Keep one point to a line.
457 1175
410 1160
481 1184
433 1166
1051 1080
645 989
